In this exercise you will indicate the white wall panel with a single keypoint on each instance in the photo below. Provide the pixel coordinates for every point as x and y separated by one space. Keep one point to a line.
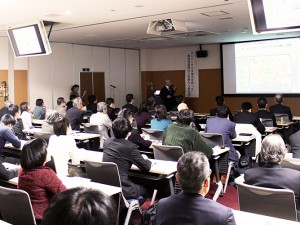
62 55
4 53
40 80
117 75
20 63
83 56
101 64
132 81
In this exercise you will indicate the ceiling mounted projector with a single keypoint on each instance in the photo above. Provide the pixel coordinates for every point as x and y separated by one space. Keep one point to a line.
167 26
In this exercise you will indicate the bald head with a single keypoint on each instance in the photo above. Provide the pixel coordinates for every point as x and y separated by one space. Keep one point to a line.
168 82
278 98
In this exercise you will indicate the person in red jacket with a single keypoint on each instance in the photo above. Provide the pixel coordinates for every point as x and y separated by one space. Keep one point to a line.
39 181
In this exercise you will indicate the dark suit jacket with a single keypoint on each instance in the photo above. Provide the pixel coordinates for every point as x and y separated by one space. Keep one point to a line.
227 129
214 112
279 108
249 118
3 111
295 144
264 114
272 175
124 153
191 209
133 108
111 113
75 116
168 102
6 174
136 138
92 107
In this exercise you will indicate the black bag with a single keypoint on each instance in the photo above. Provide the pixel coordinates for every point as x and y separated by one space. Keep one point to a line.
148 215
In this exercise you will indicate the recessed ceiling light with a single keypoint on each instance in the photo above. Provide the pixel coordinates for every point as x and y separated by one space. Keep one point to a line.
138 6
112 10
68 12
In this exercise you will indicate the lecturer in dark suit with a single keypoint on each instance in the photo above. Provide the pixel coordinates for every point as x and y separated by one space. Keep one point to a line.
279 107
222 125
190 206
271 174
262 112
245 116
124 153
167 94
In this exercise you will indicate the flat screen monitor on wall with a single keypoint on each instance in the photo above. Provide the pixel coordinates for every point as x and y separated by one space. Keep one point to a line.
29 39
261 67
273 16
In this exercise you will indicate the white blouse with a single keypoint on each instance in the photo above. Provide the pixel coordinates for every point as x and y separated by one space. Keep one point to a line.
63 148
26 119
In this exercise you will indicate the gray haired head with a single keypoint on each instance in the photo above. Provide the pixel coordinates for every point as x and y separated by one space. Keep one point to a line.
272 149
77 102
101 106
7 103
52 116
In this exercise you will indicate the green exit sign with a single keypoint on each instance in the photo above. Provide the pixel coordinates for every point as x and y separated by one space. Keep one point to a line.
86 69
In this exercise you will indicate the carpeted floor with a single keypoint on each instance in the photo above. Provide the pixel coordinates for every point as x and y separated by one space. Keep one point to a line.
229 199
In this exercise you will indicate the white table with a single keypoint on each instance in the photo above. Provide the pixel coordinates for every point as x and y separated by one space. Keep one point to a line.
245 218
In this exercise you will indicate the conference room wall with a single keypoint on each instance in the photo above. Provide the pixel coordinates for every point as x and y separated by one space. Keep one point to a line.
52 76
171 61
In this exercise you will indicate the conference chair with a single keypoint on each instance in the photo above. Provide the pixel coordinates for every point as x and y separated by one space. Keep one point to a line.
96 129
155 135
266 201
266 122
278 116
292 163
15 207
43 135
225 166
167 152
108 173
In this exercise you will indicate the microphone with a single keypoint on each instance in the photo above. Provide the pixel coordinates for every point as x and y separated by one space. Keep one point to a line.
113 86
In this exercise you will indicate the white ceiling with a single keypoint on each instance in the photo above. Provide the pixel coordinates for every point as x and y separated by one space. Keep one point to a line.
123 23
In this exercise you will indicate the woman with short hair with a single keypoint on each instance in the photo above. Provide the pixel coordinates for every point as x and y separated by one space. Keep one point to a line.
161 121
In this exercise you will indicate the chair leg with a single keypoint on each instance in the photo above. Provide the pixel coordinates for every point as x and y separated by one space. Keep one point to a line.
230 165
218 191
132 206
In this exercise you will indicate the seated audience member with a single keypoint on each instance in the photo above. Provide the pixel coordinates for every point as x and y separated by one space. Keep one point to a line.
279 107
75 114
134 136
221 125
62 147
142 116
39 111
182 106
26 115
160 122
101 119
61 106
295 144
130 101
4 109
93 207
220 102
181 134
92 106
18 127
271 174
39 181
111 108
190 206
52 116
262 112
124 153
151 103
70 103
6 133
245 116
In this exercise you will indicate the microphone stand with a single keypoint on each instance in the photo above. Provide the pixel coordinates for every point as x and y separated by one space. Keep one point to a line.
113 91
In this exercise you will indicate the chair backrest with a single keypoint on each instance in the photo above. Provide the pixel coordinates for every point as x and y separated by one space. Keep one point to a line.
266 122
267 201
249 128
103 172
156 135
166 152
292 163
213 139
15 207
91 128
285 117
43 135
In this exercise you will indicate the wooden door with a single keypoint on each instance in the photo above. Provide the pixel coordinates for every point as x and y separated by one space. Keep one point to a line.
3 77
99 86
86 85
20 86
